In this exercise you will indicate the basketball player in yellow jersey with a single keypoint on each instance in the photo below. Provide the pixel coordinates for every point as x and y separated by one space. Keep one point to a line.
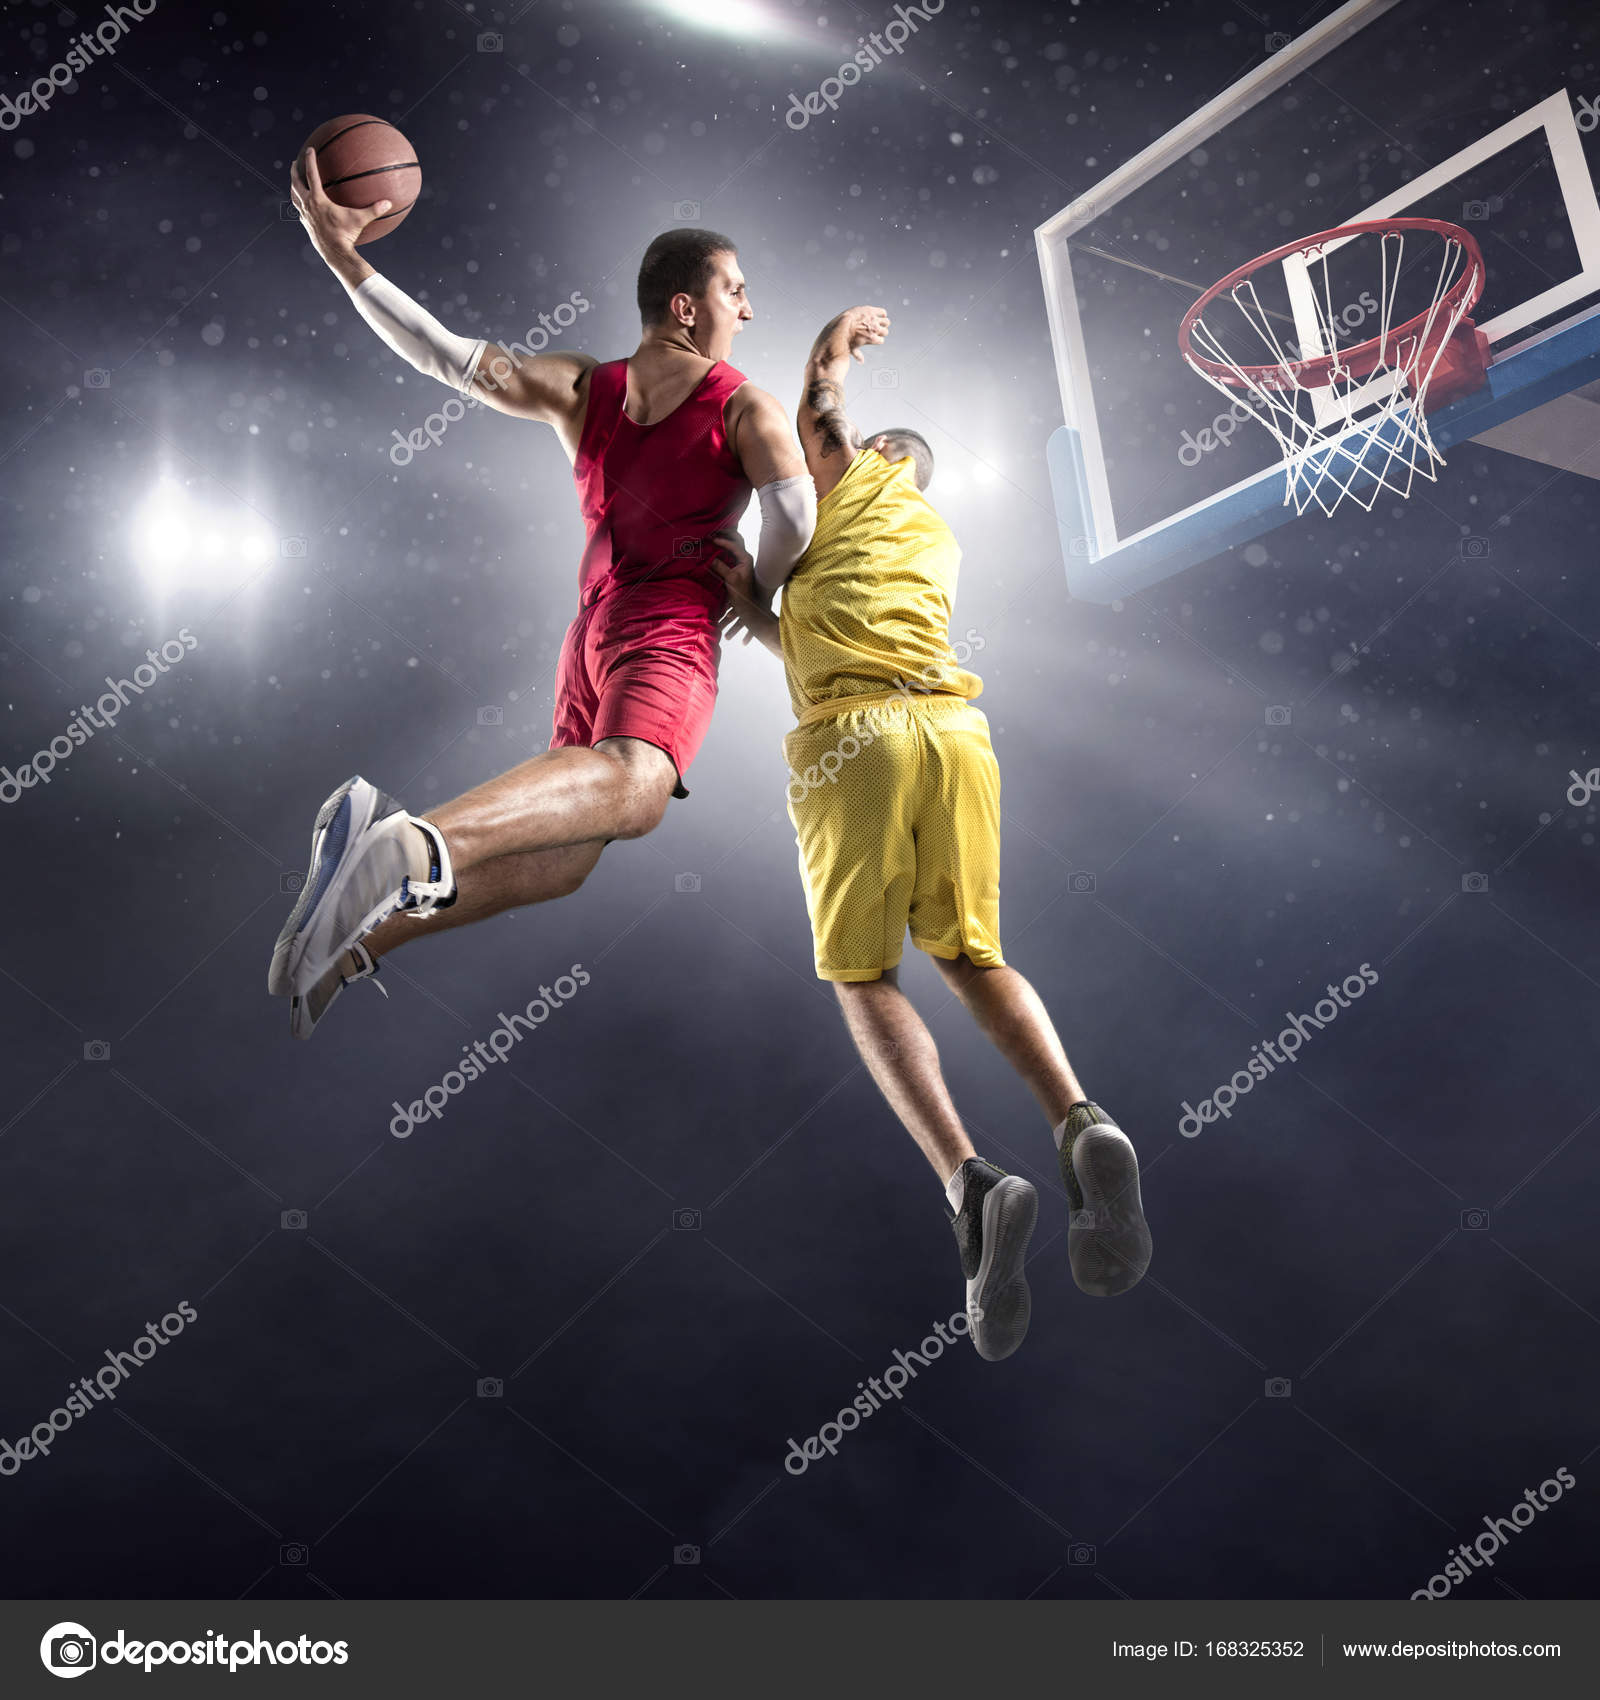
895 797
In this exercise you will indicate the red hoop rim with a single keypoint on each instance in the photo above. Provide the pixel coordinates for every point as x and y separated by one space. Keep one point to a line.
1316 372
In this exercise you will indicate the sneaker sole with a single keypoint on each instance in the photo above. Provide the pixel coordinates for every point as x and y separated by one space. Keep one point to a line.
998 1302
288 972
1110 1258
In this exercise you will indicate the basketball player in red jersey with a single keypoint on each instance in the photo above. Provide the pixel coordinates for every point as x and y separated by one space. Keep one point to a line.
666 447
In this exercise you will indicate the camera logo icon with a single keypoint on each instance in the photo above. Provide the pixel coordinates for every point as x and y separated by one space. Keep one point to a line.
291 883
684 547
885 378
295 1554
1479 210
489 42
1475 1221
288 212
296 1221
68 1650
1080 1552
1280 714
1474 548
97 1050
1277 41
686 882
1278 1387
1081 1219
491 1387
1474 882
686 212
97 378
686 1555
686 1221
292 548
491 717
1080 884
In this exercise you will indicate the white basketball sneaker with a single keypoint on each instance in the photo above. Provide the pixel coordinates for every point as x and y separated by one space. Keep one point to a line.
363 849
305 1011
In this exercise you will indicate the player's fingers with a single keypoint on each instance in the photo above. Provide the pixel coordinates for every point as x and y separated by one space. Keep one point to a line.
378 209
313 175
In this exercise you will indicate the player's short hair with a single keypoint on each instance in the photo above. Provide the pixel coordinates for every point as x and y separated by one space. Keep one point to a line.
678 262
903 441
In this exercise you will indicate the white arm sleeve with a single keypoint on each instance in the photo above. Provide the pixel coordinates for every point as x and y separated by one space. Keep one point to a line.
788 518
415 335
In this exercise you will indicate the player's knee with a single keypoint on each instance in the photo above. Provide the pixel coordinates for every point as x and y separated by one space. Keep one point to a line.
643 806
645 781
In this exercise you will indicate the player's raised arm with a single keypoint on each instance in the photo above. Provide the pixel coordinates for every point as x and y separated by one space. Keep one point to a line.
548 387
828 435
759 431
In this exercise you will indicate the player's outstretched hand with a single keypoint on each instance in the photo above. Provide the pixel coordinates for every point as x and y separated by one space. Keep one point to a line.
333 229
864 326
749 606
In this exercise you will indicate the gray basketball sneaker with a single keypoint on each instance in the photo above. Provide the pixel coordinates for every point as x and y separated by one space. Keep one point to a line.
992 1230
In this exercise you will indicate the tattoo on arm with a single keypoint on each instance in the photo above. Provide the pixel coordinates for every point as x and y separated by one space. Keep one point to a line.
835 432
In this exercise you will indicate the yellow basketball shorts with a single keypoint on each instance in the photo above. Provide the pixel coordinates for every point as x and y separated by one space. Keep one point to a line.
896 811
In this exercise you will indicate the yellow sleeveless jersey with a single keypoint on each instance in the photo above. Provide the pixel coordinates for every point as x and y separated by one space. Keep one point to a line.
867 609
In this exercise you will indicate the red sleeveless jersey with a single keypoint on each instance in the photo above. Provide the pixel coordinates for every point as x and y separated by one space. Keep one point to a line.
652 494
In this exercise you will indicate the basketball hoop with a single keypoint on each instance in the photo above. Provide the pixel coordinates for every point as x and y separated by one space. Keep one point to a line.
1351 422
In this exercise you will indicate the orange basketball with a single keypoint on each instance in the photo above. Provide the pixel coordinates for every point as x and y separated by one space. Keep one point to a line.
363 159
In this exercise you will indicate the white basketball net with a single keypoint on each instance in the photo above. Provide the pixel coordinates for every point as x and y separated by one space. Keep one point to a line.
1346 437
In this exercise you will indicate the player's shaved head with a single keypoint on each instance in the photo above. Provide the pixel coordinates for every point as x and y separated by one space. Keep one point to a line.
902 442
678 262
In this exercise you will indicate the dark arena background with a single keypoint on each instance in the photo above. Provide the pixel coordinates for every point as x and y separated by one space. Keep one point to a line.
555 1339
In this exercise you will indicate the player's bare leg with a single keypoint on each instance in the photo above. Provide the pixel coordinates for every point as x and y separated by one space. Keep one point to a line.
371 861
618 789
993 1213
1011 1014
1108 1242
508 882
898 1049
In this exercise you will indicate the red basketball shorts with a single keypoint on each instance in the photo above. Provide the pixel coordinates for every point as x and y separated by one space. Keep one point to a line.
640 661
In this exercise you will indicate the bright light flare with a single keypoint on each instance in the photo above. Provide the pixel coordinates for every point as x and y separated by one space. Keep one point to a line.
727 17
177 542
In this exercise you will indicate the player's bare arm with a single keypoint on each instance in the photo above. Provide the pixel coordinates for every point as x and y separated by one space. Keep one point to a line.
764 443
552 388
828 435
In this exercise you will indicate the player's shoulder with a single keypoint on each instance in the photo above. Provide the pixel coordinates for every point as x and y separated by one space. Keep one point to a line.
751 409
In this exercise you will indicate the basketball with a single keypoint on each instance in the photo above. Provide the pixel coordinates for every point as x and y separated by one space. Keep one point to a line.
363 159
